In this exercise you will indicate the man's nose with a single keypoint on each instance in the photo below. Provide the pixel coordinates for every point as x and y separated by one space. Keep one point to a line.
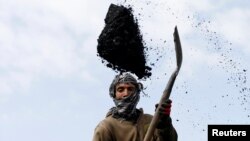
126 93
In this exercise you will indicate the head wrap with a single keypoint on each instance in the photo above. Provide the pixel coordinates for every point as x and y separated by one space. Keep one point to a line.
124 78
126 107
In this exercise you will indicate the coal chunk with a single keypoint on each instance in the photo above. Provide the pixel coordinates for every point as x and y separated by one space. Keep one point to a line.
120 42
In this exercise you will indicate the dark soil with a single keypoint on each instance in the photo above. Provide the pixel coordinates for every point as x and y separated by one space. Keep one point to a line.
120 43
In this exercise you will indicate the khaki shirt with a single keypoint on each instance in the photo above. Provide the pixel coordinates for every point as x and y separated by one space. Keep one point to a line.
112 129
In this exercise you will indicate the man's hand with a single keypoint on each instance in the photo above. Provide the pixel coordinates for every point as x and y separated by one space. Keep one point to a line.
164 112
165 108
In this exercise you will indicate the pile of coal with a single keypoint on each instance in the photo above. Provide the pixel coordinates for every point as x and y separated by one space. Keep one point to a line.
120 43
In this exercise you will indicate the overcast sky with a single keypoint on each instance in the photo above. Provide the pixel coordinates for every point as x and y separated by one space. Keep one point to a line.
54 87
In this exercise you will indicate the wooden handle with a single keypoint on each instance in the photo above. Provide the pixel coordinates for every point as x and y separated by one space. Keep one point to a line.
168 88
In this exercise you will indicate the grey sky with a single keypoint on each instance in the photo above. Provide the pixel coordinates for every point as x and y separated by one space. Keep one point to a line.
54 87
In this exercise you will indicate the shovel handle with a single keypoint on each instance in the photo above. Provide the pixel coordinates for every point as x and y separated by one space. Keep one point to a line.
168 88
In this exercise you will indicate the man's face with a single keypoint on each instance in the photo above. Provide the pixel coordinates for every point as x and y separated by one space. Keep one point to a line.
124 90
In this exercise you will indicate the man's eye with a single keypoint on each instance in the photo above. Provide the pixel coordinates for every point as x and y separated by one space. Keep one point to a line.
131 89
120 90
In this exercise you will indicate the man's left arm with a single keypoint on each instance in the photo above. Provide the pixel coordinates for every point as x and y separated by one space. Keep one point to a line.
165 128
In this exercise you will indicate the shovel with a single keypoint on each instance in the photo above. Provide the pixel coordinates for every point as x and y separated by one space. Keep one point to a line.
168 88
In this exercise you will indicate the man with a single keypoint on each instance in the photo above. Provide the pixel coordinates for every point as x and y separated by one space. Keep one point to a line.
125 122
